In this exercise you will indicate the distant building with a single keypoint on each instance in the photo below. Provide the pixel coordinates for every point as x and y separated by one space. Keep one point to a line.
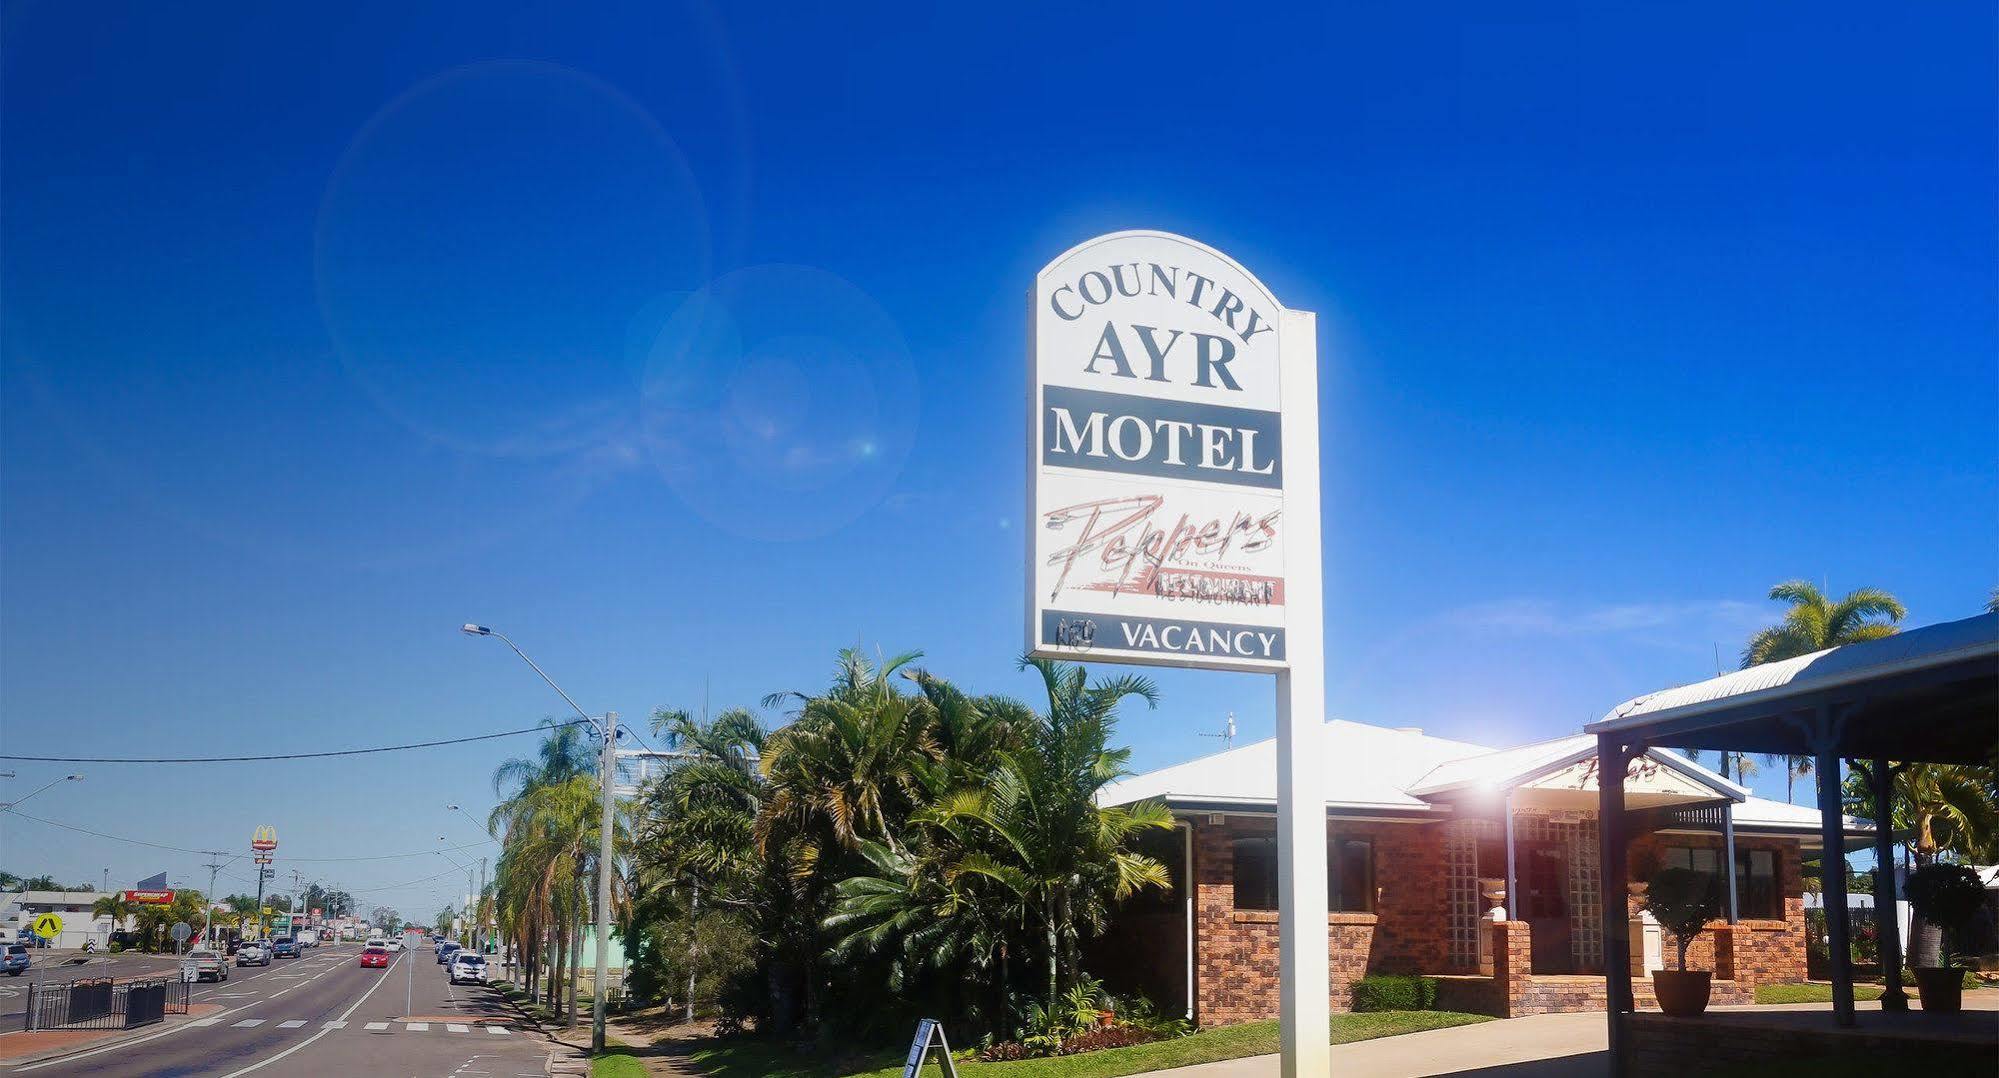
18 910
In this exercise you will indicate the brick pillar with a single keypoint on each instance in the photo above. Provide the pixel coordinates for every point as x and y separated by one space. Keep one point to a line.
1724 951
1512 960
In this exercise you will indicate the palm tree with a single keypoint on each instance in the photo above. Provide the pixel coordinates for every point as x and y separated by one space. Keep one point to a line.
1944 809
115 907
535 874
1814 623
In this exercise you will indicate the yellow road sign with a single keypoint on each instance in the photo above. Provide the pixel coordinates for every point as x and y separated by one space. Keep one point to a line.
48 926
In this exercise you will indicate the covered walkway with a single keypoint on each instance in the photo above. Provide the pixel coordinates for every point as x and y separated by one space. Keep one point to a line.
1929 695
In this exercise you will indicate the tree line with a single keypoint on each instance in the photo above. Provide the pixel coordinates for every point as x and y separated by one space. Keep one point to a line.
897 840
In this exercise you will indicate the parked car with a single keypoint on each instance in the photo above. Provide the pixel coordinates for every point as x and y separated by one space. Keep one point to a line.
468 968
284 949
253 954
445 950
375 957
15 961
209 965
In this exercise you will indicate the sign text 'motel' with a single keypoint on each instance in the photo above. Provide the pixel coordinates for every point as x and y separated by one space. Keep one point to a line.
1157 490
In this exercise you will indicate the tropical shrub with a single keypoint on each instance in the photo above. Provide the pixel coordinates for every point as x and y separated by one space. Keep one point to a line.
1390 992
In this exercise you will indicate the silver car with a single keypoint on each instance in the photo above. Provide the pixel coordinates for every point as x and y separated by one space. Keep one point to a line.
208 965
253 954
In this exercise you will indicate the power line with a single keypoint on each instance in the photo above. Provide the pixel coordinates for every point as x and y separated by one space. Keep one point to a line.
287 755
183 849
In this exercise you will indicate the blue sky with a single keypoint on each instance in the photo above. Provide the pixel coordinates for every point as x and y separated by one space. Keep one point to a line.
323 334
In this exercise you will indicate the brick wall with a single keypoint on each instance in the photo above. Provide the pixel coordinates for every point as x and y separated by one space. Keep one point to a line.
1236 950
1764 951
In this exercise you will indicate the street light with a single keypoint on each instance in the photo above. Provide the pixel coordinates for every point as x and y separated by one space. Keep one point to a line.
8 806
607 765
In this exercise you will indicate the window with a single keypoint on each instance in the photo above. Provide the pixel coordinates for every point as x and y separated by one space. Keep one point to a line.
1256 873
1350 875
1757 895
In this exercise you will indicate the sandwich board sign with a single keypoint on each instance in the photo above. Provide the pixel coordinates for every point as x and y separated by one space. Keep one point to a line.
1173 520
929 1033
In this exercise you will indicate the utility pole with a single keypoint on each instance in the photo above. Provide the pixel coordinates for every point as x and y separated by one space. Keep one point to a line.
479 910
608 780
208 907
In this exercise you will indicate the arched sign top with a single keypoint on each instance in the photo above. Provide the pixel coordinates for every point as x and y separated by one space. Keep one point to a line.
1262 290
1157 450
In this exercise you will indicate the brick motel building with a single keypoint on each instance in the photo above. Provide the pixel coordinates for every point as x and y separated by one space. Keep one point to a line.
1473 865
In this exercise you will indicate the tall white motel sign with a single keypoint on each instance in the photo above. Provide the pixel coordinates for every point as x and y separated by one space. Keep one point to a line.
1173 503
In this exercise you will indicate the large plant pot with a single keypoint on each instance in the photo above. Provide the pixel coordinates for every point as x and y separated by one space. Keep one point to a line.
1682 992
1941 989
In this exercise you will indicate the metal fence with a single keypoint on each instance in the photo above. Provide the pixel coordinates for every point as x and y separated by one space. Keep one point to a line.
97 1003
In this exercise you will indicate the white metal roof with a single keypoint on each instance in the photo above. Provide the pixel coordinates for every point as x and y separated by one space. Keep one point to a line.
1376 767
1930 645
1365 766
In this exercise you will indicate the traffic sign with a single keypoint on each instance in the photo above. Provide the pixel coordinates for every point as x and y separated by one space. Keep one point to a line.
48 926
180 931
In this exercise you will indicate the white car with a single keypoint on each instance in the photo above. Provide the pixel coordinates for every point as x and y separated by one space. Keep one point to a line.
468 968
392 945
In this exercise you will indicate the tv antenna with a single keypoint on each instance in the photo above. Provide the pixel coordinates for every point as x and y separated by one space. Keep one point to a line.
1228 733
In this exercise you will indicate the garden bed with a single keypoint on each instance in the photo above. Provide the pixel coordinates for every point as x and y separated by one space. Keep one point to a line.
753 1058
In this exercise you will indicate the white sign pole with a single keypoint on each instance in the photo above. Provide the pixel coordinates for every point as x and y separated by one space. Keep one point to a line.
1164 530
1304 967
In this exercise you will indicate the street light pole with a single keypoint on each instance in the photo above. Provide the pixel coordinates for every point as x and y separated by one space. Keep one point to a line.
606 777
598 983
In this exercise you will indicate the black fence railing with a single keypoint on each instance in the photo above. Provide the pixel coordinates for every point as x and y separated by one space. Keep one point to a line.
98 1003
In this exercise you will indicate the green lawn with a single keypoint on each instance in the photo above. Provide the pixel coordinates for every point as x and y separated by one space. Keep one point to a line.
761 1059
617 1065
1810 993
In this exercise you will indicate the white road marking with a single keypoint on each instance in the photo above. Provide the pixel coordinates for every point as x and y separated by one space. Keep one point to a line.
306 1043
376 1027
336 1025
502 1030
417 1027
249 1023
291 1023
453 1027
205 1022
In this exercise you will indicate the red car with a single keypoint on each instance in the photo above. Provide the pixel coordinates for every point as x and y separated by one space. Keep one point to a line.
376 957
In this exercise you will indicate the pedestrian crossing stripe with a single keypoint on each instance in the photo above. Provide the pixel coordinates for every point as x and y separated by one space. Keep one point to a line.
372 1027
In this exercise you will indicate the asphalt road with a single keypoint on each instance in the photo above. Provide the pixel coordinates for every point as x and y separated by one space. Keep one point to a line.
324 1014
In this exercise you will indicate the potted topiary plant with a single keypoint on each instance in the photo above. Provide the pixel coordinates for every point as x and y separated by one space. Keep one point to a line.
1947 896
1681 900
